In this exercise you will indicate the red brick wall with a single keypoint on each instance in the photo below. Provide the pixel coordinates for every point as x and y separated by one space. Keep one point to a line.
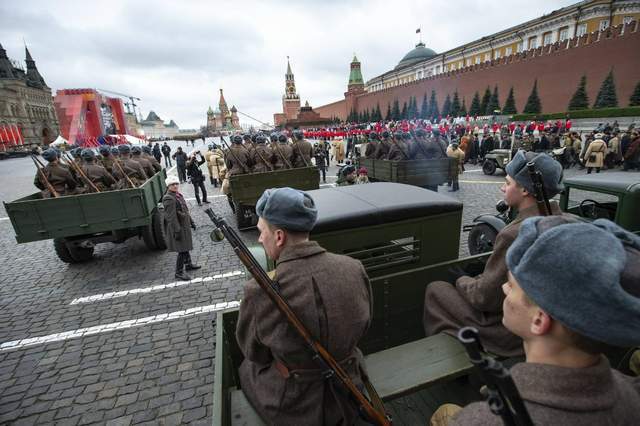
557 68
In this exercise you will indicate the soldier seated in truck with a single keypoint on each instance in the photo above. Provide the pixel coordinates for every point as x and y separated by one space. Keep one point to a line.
55 176
477 301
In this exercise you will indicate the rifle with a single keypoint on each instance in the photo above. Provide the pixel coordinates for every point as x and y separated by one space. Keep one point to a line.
304 160
320 355
244 167
544 208
40 168
502 394
266 163
126 176
395 142
284 159
77 168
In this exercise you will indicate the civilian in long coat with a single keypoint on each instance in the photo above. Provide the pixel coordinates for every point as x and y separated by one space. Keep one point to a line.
594 156
177 227
477 301
329 293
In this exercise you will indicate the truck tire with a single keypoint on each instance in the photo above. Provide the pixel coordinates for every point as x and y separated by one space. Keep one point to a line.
147 236
489 167
158 230
81 254
481 239
60 246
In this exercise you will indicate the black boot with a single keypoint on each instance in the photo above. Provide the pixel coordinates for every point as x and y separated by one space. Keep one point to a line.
212 180
189 264
180 274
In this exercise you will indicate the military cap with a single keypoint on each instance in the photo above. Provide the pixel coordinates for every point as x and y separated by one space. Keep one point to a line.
237 139
550 169
147 149
115 151
75 152
282 137
50 154
136 150
104 150
385 134
288 208
260 139
124 149
88 154
570 288
374 136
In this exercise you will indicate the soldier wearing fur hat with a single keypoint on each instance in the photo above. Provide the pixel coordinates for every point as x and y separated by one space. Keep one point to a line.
283 153
477 301
262 157
59 177
96 173
237 158
131 168
177 227
569 310
302 150
329 293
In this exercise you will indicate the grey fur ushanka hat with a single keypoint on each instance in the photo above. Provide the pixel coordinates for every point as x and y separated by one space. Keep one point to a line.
550 169
289 208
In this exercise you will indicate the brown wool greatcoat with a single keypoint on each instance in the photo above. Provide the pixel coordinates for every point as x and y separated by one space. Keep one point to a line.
597 148
262 158
331 295
283 151
177 223
302 152
99 176
237 160
59 177
477 301
564 396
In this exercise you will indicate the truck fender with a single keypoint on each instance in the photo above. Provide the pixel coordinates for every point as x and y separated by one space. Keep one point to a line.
491 220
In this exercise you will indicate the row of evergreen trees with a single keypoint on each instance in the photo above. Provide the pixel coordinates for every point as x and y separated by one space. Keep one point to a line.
489 103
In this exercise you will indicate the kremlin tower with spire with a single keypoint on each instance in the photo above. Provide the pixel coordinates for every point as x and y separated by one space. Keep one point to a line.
290 99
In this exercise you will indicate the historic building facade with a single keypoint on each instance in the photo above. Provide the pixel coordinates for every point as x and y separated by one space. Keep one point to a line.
222 118
589 38
26 104
155 128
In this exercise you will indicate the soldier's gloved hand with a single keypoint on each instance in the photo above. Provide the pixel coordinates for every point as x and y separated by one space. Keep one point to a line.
177 236
193 226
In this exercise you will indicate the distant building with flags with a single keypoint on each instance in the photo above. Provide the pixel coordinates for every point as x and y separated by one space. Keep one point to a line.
27 114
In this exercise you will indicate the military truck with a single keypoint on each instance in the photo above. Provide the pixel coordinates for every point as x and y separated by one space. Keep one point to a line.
76 223
614 196
247 188
496 159
423 173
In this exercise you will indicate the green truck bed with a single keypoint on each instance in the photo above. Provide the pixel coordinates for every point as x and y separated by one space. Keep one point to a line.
35 218
412 172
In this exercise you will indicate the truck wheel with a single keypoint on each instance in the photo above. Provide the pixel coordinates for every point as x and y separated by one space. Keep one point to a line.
81 254
481 239
158 230
147 236
60 246
489 167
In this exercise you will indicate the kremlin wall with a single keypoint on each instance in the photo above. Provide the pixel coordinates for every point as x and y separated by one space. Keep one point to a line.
557 67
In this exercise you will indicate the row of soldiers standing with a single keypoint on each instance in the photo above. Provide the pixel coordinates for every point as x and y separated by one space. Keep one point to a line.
252 154
83 171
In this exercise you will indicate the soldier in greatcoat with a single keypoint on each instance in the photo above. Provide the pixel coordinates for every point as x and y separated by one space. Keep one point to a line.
96 173
302 150
477 301
59 177
262 156
329 293
237 158
215 163
283 153
136 155
177 226
382 150
398 150
155 163
370 147
131 168
106 158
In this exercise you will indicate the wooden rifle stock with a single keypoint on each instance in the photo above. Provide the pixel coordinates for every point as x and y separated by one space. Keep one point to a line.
77 168
116 161
544 208
277 145
46 182
233 154
327 363
503 396
304 160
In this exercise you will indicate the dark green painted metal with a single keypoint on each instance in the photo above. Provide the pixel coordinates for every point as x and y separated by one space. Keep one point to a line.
247 188
412 172
34 218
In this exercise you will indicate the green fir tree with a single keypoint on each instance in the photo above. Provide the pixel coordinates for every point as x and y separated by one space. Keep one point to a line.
486 98
634 100
388 116
377 115
580 100
607 97
533 105
510 104
474 109
446 107
403 114
424 110
455 105
494 102
395 111
463 108
434 112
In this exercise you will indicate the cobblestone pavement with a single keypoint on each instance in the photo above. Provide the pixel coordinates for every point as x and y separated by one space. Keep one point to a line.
117 340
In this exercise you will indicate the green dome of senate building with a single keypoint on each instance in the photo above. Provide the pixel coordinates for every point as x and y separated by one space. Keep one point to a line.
419 54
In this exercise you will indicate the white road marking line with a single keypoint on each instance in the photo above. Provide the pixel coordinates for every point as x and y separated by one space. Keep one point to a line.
482 181
473 171
124 293
209 196
4 218
121 325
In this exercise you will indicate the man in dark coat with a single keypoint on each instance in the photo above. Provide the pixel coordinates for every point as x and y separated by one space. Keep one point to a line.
302 150
166 151
568 310
331 296
320 155
181 164
197 177
157 153
477 301
177 228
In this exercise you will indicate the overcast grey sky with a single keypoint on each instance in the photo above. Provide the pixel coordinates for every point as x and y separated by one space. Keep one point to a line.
175 55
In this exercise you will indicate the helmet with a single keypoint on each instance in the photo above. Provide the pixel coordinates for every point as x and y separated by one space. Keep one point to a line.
282 137
260 139
347 170
115 151
298 134
146 149
136 150
274 137
104 150
75 152
88 154
237 139
385 134
50 154
124 149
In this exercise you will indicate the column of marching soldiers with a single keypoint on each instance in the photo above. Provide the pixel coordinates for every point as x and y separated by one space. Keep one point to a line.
82 171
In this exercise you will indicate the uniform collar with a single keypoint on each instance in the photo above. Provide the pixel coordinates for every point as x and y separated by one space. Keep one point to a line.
533 211
299 251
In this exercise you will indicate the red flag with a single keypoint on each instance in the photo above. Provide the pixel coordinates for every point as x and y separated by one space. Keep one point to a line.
13 135
20 137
